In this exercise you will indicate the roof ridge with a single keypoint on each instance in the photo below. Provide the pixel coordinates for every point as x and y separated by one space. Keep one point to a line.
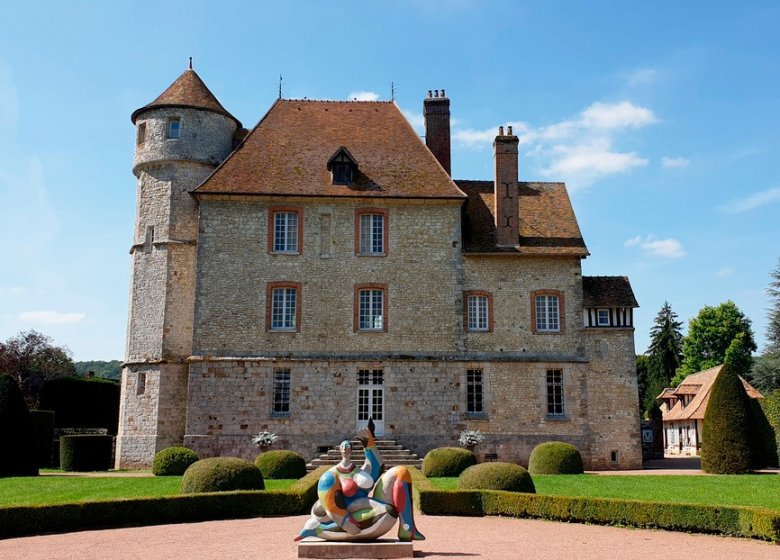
353 101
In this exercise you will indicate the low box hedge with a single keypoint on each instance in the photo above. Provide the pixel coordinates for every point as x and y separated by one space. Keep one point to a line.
741 521
60 518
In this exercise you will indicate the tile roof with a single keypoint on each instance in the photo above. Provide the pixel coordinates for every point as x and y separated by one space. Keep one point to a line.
547 222
187 91
288 151
699 384
607 291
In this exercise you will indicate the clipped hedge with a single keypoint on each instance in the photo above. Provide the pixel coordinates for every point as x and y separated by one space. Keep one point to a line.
18 452
22 521
555 457
43 425
281 464
496 476
82 403
173 461
221 474
88 452
770 406
447 461
741 521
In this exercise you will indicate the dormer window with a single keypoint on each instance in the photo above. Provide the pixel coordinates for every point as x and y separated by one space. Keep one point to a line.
342 167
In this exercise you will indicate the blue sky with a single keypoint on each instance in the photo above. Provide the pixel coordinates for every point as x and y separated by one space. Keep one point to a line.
662 118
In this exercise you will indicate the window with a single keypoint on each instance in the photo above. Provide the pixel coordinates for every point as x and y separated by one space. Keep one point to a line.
140 387
478 311
603 317
555 392
285 230
343 167
283 307
281 391
613 456
141 137
174 128
547 311
474 391
371 307
371 231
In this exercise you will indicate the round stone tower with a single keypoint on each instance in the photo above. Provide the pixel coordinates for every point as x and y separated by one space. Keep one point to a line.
180 139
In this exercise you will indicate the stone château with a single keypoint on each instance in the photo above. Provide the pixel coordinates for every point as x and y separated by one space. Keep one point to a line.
324 268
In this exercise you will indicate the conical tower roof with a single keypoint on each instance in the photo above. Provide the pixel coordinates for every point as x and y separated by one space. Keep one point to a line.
187 91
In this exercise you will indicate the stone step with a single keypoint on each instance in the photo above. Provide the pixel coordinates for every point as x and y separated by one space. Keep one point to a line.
384 452
316 463
393 454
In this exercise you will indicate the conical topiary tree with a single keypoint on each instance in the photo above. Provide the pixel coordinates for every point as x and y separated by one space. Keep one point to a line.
18 450
726 432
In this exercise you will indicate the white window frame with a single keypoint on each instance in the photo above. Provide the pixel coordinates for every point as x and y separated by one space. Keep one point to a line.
599 322
548 313
284 307
285 224
478 313
371 300
372 234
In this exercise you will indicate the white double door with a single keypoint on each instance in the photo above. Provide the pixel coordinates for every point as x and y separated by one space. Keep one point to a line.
371 404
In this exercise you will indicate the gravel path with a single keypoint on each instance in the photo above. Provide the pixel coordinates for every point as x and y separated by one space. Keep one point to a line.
448 537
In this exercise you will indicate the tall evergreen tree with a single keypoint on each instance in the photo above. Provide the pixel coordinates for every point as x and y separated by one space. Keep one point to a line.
663 356
773 328
766 368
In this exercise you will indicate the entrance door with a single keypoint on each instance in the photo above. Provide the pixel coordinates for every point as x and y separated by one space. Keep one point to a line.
371 400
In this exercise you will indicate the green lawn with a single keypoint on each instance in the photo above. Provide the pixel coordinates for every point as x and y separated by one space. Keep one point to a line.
743 490
58 489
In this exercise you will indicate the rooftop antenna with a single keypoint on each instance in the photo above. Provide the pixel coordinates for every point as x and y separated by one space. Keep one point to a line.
190 63
280 86
392 91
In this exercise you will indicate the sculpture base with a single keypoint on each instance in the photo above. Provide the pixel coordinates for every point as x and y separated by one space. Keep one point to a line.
382 548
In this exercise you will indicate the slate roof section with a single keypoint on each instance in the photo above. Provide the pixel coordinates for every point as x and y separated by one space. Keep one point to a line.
187 91
288 151
607 291
547 222
699 384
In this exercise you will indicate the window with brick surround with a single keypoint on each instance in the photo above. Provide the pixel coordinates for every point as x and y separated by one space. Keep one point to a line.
371 308
478 311
173 130
281 403
285 230
283 307
555 392
547 312
371 231
474 392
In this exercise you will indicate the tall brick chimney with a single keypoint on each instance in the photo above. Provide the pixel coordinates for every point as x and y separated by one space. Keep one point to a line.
506 208
436 109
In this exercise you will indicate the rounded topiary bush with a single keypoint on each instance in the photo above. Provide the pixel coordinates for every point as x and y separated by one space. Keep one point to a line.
18 451
555 457
173 461
496 476
447 461
281 464
89 452
221 474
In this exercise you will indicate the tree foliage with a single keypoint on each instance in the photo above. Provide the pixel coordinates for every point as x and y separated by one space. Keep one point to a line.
18 450
31 358
709 335
773 328
108 370
727 439
663 356
766 368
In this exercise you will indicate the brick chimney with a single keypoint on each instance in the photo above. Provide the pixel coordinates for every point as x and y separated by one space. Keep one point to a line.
436 109
506 208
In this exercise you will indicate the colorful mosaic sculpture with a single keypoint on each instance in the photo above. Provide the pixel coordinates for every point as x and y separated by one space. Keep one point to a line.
359 504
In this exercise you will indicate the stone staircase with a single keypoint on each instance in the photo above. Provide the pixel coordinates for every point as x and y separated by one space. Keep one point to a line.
392 453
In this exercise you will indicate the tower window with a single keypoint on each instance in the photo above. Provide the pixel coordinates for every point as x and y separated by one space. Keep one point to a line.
141 137
174 128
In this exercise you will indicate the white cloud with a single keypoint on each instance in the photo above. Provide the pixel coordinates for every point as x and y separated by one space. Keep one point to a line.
725 271
751 202
617 115
51 317
642 77
675 162
363 96
667 248
588 162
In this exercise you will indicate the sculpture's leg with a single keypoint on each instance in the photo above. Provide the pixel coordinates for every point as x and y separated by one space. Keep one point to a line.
395 488
313 528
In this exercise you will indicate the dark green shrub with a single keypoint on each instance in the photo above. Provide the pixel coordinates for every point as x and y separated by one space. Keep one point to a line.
555 457
447 461
82 403
18 451
221 474
173 461
726 432
90 452
43 424
281 464
770 406
496 476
